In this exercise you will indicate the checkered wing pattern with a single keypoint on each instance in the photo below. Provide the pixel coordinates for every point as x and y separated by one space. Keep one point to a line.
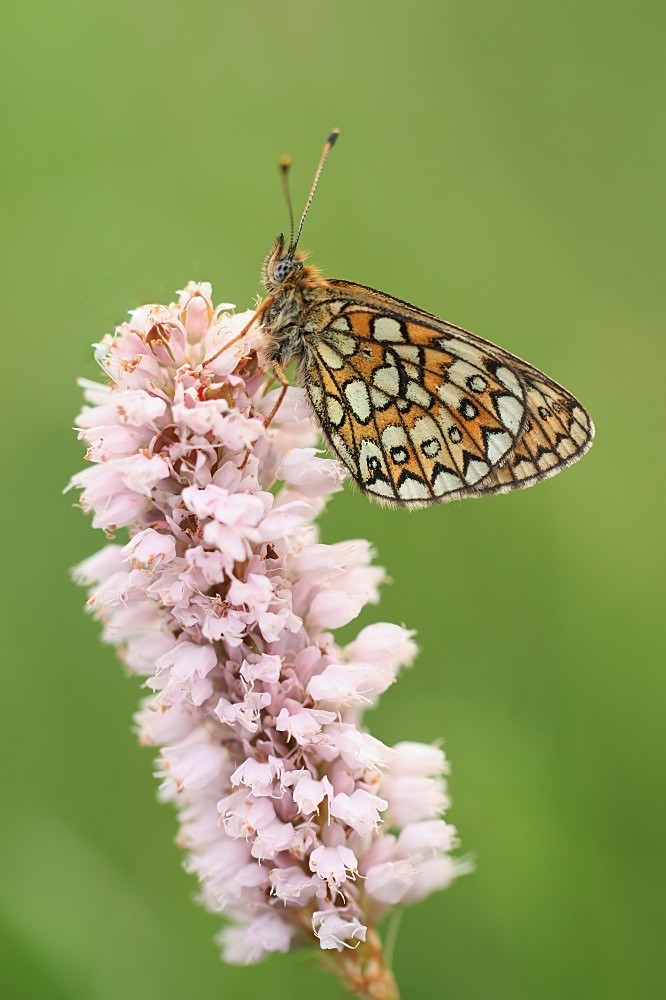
422 412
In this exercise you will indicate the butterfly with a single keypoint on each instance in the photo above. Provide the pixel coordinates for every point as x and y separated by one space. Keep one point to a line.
419 411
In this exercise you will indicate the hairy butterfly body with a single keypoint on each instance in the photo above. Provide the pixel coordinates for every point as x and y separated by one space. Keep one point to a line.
420 411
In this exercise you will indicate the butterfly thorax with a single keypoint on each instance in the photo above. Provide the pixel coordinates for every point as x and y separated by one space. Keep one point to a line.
294 289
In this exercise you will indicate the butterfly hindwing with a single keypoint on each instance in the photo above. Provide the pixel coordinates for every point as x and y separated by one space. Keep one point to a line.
558 433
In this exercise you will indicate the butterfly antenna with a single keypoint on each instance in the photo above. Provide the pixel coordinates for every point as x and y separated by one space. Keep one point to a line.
328 146
285 164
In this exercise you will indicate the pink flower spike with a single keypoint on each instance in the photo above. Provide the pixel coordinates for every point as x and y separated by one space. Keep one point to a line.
299 825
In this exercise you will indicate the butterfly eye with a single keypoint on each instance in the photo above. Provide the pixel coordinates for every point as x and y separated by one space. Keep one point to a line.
283 268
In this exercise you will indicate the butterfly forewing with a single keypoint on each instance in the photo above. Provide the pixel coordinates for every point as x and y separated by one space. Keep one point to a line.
421 411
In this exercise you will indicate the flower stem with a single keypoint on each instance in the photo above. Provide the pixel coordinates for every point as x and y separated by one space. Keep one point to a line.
364 971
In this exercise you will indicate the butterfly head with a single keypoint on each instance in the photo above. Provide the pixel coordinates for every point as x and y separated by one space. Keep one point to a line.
283 268
281 265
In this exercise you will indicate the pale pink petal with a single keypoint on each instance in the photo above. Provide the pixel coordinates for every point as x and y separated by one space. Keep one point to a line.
265 668
418 759
187 660
150 548
390 645
323 563
433 875
356 748
284 520
303 726
336 931
141 473
426 838
169 726
361 810
313 478
390 882
292 885
351 683
244 944
258 775
246 713
335 608
194 762
309 793
412 799
334 864
100 566
272 839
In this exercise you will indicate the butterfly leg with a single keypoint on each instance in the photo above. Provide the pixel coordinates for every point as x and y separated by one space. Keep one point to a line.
234 340
284 382
282 379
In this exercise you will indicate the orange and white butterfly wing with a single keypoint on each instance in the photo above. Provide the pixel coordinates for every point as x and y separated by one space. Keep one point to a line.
422 412
558 433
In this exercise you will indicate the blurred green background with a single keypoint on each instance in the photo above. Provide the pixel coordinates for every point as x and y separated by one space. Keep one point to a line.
501 165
